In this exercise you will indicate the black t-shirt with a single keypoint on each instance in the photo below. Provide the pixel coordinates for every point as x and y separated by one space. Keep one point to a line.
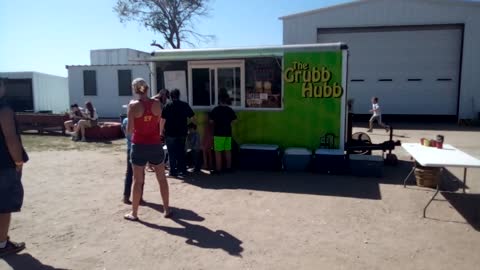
222 117
176 114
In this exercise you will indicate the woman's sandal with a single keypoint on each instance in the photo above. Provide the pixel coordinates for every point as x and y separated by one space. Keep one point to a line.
169 214
130 217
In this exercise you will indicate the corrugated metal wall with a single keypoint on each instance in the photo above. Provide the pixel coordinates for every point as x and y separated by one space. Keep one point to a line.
50 93
303 29
116 57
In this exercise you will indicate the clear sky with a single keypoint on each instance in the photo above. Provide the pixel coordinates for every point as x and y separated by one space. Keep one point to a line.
46 35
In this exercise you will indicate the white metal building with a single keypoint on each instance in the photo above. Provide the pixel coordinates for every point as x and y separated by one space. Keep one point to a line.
420 57
35 91
107 81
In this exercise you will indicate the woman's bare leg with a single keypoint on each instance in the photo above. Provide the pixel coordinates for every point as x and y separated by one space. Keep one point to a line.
76 129
218 161
138 180
162 182
228 158
83 125
68 125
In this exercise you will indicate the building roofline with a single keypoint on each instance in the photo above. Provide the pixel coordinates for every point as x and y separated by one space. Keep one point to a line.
356 2
249 48
112 49
313 11
238 52
31 73
69 66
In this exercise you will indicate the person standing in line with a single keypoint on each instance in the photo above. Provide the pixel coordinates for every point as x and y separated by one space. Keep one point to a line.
207 145
377 115
222 117
127 190
146 126
12 158
176 115
193 147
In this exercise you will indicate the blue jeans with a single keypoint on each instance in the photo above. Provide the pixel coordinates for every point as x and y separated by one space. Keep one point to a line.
194 158
128 177
176 154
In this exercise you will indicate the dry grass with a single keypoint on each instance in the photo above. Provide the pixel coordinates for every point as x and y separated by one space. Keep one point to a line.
40 143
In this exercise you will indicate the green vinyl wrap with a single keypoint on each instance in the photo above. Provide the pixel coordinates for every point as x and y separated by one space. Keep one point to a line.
303 120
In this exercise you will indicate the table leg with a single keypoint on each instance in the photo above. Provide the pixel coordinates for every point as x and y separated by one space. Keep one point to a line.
408 176
433 197
464 179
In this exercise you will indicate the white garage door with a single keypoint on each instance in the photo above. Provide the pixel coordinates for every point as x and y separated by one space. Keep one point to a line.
411 70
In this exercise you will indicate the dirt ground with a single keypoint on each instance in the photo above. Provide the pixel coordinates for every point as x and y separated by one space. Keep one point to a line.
73 218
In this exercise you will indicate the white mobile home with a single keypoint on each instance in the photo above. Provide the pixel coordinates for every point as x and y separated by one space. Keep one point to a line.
420 57
107 81
36 92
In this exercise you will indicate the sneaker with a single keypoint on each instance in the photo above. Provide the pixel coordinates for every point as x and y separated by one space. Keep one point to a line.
143 202
369 130
84 140
387 129
11 248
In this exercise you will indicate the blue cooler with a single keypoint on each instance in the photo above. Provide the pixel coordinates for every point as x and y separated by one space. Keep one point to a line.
296 159
330 161
366 165
259 157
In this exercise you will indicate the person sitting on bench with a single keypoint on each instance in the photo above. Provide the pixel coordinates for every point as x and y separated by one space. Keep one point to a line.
75 116
89 120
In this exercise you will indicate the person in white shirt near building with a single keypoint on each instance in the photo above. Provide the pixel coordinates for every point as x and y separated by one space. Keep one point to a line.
377 115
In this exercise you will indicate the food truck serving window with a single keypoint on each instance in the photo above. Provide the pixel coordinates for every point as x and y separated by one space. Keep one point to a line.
263 82
211 79
250 83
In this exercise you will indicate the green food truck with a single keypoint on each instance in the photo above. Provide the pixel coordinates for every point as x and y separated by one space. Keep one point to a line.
290 96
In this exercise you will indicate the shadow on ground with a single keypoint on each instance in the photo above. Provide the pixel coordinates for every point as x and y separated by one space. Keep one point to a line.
196 235
26 261
468 205
285 182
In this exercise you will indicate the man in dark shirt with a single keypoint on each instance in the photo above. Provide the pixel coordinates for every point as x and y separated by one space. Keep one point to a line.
176 115
222 117
12 157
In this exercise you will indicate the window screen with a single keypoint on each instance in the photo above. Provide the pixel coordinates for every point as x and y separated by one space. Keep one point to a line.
124 82
89 83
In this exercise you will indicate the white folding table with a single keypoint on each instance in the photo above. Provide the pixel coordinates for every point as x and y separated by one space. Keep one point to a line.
449 156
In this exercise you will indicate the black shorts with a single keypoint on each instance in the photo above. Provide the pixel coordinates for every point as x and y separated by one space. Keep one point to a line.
11 191
143 153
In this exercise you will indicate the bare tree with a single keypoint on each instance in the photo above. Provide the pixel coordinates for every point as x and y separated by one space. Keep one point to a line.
173 19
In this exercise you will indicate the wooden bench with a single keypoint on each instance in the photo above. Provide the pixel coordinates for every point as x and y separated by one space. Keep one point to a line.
42 122
104 131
